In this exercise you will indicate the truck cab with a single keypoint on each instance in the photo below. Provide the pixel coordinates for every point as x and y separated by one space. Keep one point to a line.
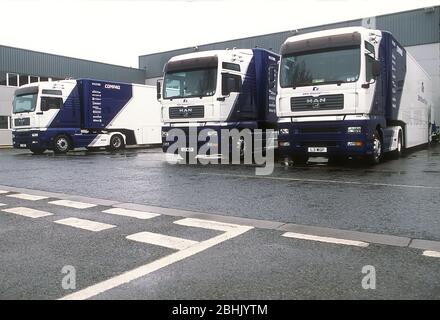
34 108
215 90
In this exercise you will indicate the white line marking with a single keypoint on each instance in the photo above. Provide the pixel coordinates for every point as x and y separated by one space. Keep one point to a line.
28 212
321 181
162 240
325 239
3 191
85 224
73 204
132 213
154 266
429 253
2 204
206 224
25 196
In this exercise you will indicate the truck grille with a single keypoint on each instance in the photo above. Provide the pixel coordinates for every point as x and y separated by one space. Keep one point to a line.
22 122
323 102
187 112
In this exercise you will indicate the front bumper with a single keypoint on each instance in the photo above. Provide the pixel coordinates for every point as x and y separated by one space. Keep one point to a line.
330 138
32 139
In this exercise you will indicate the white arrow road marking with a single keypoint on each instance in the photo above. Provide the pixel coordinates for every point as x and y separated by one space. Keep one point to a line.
132 213
25 196
162 240
85 224
28 212
155 265
3 191
325 239
73 204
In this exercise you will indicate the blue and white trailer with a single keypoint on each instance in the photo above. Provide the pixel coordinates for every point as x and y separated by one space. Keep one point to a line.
350 92
218 90
67 114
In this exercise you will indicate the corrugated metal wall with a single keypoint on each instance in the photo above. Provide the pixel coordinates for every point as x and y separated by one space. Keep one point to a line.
42 64
410 28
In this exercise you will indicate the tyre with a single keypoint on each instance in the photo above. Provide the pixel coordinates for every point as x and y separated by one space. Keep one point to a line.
116 143
37 150
396 154
300 160
61 144
376 157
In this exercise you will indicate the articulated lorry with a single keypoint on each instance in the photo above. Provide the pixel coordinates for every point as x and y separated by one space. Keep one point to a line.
217 91
350 92
67 114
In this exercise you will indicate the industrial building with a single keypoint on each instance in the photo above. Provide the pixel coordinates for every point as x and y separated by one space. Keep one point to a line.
417 30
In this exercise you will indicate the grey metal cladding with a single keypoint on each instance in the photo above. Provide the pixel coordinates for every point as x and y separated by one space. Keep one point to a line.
420 26
414 27
42 64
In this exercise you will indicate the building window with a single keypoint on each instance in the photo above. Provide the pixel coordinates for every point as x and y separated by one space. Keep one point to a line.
12 80
4 122
3 78
24 80
33 79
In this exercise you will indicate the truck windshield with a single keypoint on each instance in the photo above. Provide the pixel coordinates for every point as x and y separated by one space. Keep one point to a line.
25 103
320 67
190 83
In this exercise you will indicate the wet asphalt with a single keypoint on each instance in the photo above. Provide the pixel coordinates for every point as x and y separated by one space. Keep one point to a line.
396 197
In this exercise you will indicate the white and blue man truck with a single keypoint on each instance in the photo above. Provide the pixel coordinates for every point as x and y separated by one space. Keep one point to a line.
350 92
67 114
207 95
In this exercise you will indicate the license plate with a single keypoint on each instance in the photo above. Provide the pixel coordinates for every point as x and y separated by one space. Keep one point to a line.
318 149
23 145
187 149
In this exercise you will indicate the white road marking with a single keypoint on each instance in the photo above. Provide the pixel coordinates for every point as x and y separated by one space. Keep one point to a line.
3 191
25 196
154 266
85 224
206 224
73 204
2 204
28 212
429 253
321 181
325 239
162 240
132 213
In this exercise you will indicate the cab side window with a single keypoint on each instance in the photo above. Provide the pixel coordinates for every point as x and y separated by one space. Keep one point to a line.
48 103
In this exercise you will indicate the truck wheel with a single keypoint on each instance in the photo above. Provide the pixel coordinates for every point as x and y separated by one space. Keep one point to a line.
300 160
62 144
37 150
116 143
396 154
377 149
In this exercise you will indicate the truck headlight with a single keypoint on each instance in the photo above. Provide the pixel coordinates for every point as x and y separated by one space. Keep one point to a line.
284 131
34 135
354 129
284 144
164 134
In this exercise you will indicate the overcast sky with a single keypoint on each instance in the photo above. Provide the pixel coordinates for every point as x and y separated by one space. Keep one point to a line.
116 31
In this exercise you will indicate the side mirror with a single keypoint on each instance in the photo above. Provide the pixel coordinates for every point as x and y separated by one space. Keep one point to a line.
376 68
159 89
